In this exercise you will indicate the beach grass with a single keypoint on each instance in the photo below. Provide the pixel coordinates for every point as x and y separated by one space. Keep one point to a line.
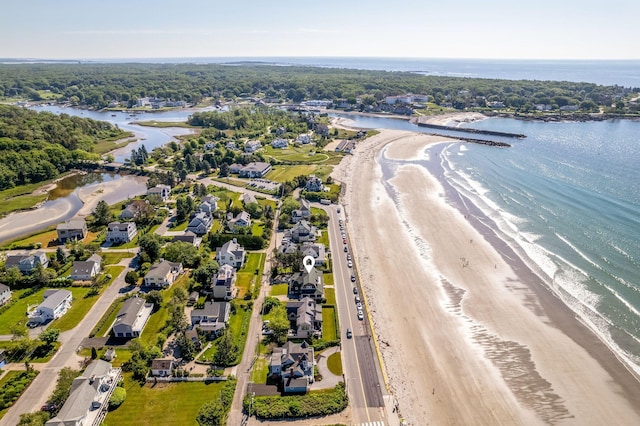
334 363
162 403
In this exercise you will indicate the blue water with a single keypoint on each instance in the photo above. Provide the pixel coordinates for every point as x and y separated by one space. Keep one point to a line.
567 200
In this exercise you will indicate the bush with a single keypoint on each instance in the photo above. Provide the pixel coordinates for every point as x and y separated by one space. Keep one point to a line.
311 404
117 397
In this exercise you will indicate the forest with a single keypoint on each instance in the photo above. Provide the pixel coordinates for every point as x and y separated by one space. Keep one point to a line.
36 146
97 85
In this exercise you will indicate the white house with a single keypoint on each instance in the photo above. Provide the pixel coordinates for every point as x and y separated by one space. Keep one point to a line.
314 184
231 253
255 170
252 146
304 139
56 303
224 283
5 294
162 367
212 318
279 143
164 191
132 317
85 270
118 232
200 224
162 274
243 219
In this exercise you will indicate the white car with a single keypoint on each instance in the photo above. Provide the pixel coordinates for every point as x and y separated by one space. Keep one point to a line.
349 264
360 315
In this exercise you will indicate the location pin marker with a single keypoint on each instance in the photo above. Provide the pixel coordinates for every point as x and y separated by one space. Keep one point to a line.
309 262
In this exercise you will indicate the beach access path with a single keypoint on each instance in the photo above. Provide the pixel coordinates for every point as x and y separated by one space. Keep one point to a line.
464 337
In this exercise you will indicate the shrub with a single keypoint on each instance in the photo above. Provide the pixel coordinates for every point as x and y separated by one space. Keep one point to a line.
117 398
311 404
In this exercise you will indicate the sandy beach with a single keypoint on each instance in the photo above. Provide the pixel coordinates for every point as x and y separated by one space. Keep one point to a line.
467 336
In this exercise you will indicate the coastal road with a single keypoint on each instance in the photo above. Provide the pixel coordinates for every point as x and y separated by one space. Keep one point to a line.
363 374
42 386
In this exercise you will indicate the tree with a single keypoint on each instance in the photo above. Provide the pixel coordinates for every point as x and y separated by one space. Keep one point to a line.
49 336
60 256
37 418
179 295
63 386
19 330
184 253
151 244
227 350
212 413
224 170
131 278
205 273
278 323
155 297
94 353
117 397
187 346
254 210
102 213
269 303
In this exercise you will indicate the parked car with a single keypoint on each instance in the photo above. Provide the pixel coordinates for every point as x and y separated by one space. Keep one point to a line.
349 264
357 299
355 290
349 333
348 256
346 249
353 279
360 315
359 306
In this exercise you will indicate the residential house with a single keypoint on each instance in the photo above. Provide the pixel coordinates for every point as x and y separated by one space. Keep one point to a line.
208 206
304 212
231 253
89 396
27 262
248 199
136 209
188 237
200 223
212 318
74 229
162 367
314 184
280 131
288 247
305 283
293 365
56 303
304 139
5 294
305 316
279 143
303 231
235 168
163 274
569 108
252 146
132 317
315 250
243 219
231 146
141 102
255 170
224 283
86 270
164 191
121 232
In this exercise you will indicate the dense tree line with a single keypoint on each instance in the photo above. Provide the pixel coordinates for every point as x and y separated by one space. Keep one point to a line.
96 85
36 146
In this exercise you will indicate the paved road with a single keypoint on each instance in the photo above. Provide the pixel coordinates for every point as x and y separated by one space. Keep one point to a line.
38 392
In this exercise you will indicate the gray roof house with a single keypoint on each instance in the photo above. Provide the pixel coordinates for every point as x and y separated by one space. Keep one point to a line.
304 212
305 283
164 191
252 146
212 318
303 231
74 229
293 364
89 396
188 237
200 224
231 253
27 262
5 294
315 250
305 316
248 199
255 170
163 274
314 184
56 303
86 270
162 367
132 317
242 219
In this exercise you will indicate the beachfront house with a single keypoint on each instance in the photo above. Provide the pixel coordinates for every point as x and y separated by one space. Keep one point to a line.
304 212
5 294
305 316
132 317
26 263
89 396
212 318
74 229
136 209
56 303
305 283
315 250
292 364
86 270
163 274
314 184
303 231
118 232
231 253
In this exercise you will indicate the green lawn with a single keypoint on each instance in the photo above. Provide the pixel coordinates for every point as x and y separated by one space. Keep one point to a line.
324 238
239 324
111 258
286 173
257 228
18 311
330 295
303 154
181 226
46 238
156 322
260 371
329 329
243 282
279 290
163 403
334 363
217 225
79 308
264 202
254 261
327 277
104 325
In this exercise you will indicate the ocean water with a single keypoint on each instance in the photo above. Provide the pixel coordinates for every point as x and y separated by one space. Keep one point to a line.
567 200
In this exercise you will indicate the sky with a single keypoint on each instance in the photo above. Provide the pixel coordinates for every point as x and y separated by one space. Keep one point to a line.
490 29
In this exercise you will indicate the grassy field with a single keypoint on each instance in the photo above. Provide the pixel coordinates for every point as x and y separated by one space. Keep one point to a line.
334 363
279 290
264 202
285 173
260 370
238 323
109 144
159 318
254 261
302 154
79 307
182 226
163 403
18 311
111 258
46 238
257 228
329 329
5 380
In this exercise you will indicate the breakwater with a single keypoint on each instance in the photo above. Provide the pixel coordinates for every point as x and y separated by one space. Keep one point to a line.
472 140
476 131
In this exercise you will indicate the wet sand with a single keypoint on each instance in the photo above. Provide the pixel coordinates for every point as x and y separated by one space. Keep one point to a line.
467 336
